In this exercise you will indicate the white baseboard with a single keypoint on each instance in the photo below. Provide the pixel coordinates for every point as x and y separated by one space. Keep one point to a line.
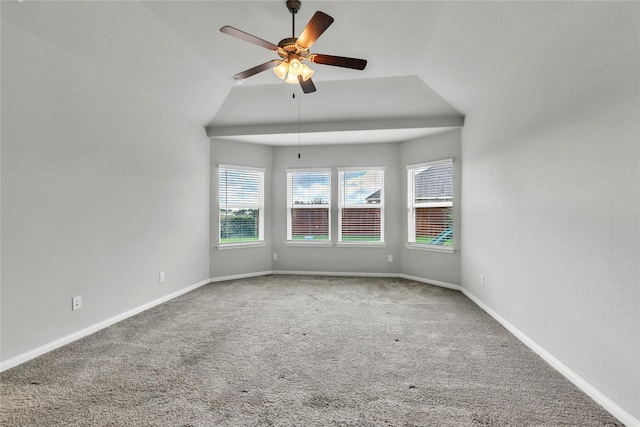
32 354
578 381
333 273
356 274
431 282
239 276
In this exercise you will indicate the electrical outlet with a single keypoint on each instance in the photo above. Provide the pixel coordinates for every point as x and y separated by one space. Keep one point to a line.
390 258
275 256
76 303
482 279
161 278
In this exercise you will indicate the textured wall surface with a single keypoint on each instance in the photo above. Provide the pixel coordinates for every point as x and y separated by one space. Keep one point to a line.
551 200
443 267
102 189
230 262
336 259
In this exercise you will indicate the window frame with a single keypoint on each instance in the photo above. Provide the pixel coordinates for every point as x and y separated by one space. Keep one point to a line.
342 205
290 205
412 206
260 206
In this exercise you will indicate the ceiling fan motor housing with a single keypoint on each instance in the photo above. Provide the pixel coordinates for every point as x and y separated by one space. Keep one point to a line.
288 45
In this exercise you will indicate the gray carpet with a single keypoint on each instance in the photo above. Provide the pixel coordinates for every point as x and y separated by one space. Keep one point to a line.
299 351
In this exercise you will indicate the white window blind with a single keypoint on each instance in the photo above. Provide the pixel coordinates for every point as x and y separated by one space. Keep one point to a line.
309 205
241 204
361 205
430 203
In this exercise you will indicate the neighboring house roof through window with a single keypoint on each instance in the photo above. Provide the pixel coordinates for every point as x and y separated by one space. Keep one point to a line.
435 182
374 198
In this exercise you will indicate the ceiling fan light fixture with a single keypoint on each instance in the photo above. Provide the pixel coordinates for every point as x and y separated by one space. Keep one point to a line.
281 69
292 79
295 66
306 72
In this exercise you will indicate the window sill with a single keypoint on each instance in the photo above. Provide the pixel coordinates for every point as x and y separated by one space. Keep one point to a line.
240 245
431 248
309 243
362 244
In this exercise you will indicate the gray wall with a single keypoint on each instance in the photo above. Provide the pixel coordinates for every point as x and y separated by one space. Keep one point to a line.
337 259
435 266
365 260
551 204
239 261
101 190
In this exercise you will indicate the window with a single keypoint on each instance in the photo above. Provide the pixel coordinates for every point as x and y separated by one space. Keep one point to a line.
309 206
241 209
430 205
361 205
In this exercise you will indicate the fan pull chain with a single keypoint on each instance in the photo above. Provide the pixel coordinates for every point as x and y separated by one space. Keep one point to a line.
294 97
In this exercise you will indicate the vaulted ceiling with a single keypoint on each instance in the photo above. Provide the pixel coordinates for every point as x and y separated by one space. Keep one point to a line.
429 63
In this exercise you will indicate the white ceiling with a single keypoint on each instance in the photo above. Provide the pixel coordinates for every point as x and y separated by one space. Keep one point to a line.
430 64
389 35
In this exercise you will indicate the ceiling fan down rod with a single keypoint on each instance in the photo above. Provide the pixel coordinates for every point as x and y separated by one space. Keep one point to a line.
294 7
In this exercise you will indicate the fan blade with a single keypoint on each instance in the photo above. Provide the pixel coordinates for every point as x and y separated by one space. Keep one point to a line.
248 37
307 85
257 69
338 61
316 26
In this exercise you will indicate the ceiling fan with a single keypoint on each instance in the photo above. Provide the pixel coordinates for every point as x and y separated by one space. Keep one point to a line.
295 51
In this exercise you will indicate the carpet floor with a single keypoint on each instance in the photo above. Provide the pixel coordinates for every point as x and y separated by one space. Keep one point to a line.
299 351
